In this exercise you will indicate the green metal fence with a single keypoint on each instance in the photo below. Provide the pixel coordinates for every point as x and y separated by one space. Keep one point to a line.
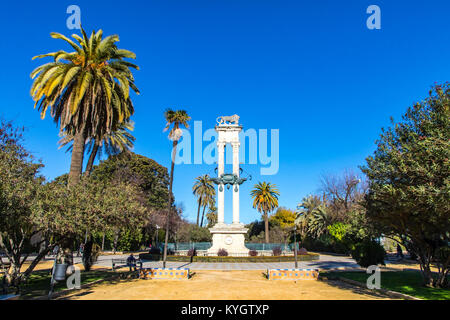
207 245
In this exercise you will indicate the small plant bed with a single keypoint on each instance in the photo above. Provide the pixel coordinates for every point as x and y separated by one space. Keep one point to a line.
39 282
304 257
406 282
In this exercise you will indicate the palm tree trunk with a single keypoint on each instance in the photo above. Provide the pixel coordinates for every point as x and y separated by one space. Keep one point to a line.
76 165
91 159
203 214
266 227
198 210
169 206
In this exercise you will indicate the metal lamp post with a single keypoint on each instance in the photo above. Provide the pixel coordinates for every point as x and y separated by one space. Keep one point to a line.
295 246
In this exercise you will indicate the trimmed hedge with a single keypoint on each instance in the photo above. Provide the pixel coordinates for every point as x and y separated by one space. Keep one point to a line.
303 257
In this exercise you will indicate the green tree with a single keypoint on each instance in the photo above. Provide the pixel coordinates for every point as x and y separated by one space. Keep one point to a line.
175 120
284 217
148 175
87 90
409 182
204 190
19 183
312 217
265 200
33 213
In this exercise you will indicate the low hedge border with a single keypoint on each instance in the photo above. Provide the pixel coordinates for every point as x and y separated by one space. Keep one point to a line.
303 257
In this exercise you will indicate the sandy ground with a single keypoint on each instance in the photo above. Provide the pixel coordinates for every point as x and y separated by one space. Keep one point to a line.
404 265
223 285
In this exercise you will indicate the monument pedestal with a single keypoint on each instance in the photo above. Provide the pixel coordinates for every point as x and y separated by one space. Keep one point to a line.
230 237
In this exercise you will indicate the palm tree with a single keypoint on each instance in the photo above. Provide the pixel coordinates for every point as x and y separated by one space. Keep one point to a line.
203 189
319 221
211 215
174 119
265 200
312 217
120 140
87 90
210 202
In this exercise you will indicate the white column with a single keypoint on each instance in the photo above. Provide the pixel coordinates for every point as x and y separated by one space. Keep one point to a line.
236 172
220 194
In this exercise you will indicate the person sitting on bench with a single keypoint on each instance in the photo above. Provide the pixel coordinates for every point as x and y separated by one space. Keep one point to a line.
131 262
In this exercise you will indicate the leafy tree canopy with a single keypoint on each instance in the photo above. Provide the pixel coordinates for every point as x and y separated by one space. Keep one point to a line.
409 181
147 174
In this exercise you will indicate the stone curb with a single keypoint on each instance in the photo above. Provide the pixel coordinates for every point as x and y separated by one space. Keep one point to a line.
390 293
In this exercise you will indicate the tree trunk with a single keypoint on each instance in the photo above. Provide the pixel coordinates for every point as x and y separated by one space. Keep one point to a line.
103 242
266 227
198 210
116 241
76 165
91 159
203 215
169 206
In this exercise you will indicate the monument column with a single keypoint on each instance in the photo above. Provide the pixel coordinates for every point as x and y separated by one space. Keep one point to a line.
235 146
220 194
228 236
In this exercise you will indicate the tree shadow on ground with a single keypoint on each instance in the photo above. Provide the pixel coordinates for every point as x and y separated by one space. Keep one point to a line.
332 264
355 289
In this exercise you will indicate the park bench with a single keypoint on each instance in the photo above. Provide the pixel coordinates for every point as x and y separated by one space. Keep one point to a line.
120 263
164 273
293 274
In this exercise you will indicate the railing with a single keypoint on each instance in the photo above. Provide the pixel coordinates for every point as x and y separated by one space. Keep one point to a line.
185 246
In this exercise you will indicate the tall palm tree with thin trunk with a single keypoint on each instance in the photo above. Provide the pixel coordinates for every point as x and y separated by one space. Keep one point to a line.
174 121
265 200
203 189
87 90
210 202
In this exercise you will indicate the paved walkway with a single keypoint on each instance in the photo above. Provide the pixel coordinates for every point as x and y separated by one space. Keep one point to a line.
324 263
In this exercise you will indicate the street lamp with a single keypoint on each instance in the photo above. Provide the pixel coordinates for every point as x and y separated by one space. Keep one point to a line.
157 236
295 246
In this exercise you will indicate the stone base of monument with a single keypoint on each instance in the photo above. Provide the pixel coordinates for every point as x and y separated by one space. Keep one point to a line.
230 237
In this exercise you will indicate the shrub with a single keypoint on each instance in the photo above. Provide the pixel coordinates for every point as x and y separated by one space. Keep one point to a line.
129 240
192 252
222 253
154 250
276 251
302 251
253 253
368 253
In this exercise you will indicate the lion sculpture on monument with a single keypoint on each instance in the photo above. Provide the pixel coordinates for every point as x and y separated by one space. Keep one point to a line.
228 119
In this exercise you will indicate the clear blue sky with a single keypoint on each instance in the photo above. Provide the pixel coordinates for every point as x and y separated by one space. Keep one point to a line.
311 69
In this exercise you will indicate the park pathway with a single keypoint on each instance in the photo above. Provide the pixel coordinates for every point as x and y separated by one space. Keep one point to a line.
325 262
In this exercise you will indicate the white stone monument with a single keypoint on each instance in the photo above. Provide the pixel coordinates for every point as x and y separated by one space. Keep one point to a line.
228 236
